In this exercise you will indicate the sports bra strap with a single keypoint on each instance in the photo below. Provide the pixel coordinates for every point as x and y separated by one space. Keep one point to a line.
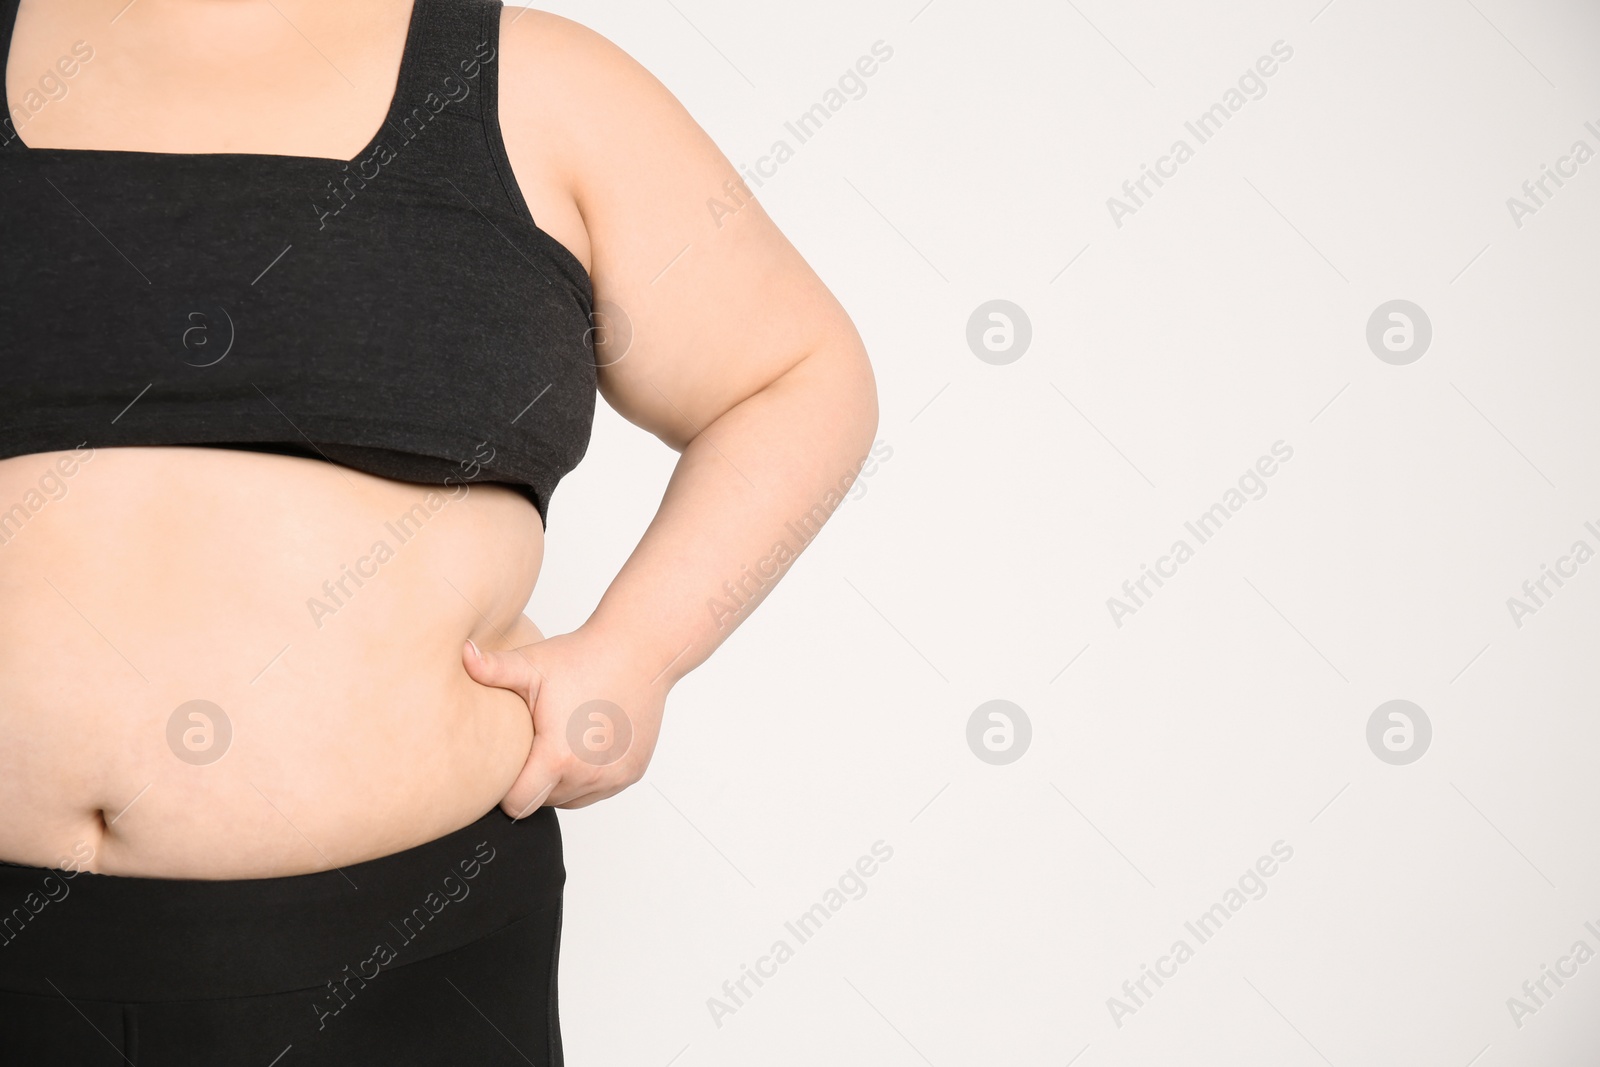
442 66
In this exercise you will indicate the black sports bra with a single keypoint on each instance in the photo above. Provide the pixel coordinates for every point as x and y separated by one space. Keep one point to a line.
400 312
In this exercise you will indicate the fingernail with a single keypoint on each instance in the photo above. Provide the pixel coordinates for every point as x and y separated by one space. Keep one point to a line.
474 648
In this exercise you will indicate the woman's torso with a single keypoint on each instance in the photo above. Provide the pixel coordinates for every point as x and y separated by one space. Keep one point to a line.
321 609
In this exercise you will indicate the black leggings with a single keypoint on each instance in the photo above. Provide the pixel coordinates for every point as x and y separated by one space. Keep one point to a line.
442 954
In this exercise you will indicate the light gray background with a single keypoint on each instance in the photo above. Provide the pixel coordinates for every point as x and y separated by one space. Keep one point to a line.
1229 713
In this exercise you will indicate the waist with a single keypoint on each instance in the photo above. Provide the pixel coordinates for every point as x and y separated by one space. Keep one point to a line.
103 937
220 664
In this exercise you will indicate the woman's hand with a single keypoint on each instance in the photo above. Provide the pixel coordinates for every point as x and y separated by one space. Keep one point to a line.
596 714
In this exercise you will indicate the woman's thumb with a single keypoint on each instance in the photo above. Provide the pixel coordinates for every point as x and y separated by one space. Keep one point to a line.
509 669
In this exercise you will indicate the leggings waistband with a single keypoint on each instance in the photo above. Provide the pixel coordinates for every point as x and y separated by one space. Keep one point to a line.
110 937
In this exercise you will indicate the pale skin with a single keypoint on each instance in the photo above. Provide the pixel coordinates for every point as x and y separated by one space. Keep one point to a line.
370 734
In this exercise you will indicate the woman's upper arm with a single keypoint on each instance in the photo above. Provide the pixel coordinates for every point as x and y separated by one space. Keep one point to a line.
720 304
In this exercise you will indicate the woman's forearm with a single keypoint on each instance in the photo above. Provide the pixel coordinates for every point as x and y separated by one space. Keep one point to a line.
750 491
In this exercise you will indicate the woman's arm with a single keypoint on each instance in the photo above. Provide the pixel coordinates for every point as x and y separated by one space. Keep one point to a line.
739 358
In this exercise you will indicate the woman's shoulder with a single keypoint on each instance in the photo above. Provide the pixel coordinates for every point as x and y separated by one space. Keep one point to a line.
582 122
560 72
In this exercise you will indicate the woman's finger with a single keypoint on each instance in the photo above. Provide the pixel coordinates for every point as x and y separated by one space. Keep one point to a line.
583 800
539 784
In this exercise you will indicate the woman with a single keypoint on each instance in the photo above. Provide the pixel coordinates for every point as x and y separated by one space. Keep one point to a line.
305 309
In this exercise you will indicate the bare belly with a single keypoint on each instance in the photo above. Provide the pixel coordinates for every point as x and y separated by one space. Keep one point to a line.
225 664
